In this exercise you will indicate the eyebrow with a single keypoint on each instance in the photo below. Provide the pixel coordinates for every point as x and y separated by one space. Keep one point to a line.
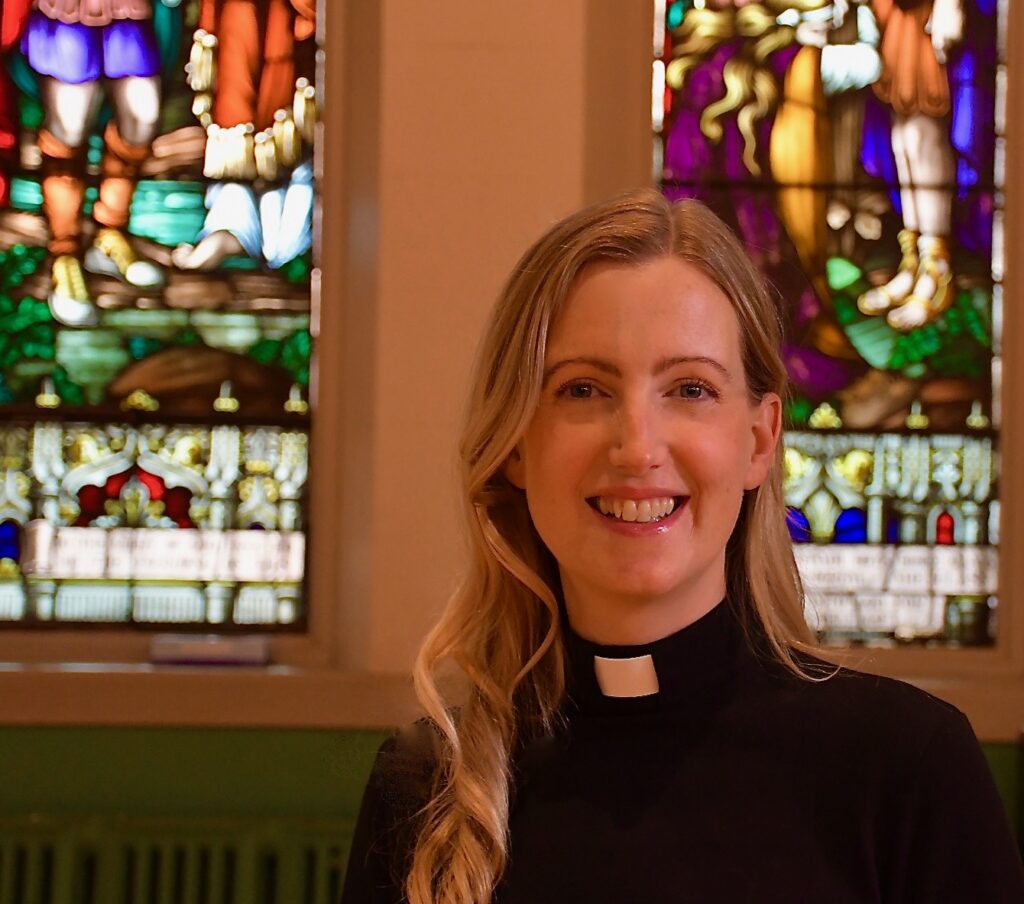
659 368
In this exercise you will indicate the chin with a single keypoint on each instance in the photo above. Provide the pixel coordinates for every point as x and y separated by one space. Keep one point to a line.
667 580
645 588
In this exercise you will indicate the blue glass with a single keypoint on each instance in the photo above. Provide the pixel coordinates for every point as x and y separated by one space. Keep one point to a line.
851 526
892 530
799 526
10 540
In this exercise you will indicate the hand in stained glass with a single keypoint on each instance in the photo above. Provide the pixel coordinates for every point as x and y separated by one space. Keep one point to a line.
946 27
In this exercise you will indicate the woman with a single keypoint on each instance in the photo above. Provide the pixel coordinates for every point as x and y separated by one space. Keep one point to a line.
643 719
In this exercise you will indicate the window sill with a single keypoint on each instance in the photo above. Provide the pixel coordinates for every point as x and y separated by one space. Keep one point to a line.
114 694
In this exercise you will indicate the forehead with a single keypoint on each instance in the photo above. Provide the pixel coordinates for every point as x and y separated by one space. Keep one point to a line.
666 305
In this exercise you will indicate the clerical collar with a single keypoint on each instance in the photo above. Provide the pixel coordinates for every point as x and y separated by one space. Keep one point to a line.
664 674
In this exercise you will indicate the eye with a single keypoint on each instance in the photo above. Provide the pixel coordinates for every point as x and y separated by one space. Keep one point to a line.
578 389
696 391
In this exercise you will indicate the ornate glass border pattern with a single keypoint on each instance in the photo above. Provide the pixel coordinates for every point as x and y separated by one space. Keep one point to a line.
151 524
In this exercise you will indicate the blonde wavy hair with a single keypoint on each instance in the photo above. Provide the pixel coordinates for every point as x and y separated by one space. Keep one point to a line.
502 626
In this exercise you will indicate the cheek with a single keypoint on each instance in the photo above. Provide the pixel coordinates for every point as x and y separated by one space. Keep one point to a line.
559 468
559 458
719 458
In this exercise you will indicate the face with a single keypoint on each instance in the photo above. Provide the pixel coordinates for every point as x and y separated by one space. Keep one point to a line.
644 440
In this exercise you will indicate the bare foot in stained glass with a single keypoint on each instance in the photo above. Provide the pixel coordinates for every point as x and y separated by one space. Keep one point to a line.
933 290
69 299
111 253
208 253
896 291
892 294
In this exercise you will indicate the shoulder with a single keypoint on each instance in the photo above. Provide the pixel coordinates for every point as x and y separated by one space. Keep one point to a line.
889 699
856 709
402 778
905 760
911 766
400 784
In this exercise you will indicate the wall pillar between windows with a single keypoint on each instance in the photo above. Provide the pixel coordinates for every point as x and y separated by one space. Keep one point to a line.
468 128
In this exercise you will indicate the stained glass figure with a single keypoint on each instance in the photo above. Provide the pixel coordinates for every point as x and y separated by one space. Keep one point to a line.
156 256
855 148
159 194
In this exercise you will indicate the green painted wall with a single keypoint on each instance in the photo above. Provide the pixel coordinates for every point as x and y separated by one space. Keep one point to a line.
184 773
238 773
1007 762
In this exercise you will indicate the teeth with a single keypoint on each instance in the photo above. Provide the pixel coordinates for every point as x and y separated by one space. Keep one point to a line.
644 511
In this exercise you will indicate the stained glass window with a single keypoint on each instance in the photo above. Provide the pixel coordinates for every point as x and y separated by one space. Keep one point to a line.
156 276
856 147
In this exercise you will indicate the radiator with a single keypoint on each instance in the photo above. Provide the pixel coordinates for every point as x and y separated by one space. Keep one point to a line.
148 861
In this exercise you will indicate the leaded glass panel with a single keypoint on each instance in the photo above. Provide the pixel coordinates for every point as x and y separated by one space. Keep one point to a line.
856 148
157 195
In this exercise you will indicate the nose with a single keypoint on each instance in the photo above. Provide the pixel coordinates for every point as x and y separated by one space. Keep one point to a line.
638 444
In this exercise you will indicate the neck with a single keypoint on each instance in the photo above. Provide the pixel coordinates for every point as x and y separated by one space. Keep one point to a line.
617 619
682 669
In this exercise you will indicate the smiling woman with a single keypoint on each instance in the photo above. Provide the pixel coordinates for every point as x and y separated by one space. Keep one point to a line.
645 717
646 399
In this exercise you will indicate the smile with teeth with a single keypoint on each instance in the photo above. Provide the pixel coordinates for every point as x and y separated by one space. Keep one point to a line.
638 510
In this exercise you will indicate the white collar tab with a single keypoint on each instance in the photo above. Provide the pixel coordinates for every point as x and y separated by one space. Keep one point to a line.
632 677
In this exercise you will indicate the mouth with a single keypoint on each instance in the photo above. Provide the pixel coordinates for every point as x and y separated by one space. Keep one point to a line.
636 511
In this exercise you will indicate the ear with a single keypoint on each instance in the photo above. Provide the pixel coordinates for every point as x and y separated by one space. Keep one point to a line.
766 428
514 469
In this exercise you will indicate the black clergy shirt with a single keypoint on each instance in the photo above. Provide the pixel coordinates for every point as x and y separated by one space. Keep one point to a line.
735 782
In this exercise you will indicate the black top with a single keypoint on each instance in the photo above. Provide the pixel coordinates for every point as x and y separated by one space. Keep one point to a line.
735 782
